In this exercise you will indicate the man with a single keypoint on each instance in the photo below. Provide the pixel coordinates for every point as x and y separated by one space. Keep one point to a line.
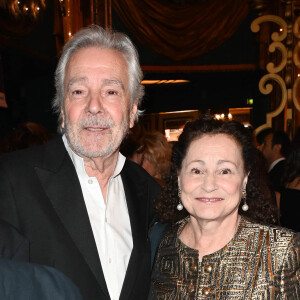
85 209
275 149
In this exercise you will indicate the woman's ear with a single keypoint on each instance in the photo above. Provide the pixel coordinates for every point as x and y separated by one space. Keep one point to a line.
245 180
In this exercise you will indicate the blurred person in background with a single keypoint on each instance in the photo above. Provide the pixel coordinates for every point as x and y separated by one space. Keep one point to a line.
289 198
26 134
276 148
156 155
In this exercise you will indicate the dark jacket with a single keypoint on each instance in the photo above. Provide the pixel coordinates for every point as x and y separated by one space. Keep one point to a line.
40 194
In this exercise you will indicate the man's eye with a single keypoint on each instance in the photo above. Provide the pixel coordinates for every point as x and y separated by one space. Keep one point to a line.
112 92
77 92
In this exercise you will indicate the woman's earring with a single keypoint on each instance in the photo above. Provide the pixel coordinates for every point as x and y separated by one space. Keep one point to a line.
179 206
245 206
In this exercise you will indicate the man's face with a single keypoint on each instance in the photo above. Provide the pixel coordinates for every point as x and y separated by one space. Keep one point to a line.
267 148
96 114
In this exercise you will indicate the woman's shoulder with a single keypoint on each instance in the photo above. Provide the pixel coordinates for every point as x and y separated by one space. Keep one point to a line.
277 236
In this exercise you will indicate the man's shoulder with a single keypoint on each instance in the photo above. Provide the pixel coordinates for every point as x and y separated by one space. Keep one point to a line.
138 175
279 165
135 169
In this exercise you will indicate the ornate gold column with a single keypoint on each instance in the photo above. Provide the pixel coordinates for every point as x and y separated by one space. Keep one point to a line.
285 44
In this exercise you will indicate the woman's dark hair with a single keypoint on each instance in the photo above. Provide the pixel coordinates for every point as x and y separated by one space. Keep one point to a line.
260 208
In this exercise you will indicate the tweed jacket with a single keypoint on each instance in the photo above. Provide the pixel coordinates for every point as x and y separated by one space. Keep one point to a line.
260 262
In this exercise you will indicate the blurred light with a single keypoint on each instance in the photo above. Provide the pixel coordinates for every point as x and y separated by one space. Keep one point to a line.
171 81
250 101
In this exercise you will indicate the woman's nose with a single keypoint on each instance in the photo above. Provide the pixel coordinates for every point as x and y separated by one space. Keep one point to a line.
209 182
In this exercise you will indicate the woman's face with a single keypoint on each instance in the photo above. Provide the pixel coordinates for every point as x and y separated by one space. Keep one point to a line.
212 177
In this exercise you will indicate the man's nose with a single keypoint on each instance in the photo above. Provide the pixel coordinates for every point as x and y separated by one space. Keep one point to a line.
95 104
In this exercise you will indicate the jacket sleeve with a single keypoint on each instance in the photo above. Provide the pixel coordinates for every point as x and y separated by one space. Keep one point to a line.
290 275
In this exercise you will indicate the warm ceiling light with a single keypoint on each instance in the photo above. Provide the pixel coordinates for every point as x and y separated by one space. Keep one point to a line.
176 81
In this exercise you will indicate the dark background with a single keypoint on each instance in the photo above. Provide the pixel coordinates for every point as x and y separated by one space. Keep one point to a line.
28 65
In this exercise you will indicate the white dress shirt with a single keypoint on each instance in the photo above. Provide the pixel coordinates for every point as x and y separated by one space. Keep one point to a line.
109 220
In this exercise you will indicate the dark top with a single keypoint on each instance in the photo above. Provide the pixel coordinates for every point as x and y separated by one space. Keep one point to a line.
289 209
275 176
22 280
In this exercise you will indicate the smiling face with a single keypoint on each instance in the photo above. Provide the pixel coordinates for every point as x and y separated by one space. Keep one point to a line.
97 114
212 177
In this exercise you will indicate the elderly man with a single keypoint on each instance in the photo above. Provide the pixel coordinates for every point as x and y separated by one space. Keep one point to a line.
85 209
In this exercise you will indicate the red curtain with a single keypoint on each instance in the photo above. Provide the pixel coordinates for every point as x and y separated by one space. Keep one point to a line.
183 29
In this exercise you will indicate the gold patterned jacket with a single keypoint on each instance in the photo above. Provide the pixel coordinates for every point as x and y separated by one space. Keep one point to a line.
260 262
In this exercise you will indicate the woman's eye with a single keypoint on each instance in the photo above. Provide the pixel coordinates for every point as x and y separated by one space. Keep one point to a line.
196 171
225 171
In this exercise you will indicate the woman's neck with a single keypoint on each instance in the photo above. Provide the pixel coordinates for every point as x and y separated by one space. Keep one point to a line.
209 236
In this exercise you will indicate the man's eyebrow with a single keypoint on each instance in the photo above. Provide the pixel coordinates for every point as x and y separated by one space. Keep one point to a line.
76 80
113 81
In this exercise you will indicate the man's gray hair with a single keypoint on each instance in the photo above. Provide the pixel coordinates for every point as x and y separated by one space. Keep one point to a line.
96 36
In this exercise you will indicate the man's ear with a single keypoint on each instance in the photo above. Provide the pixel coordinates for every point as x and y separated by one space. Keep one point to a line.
133 112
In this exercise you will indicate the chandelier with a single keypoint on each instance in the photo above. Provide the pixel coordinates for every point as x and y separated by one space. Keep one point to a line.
23 8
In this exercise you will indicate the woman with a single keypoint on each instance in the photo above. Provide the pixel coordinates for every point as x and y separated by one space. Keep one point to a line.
214 249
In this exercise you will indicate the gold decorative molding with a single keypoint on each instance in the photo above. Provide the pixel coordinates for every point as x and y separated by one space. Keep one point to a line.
275 36
283 42
266 88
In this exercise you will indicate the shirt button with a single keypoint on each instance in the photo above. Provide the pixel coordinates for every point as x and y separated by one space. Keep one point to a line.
207 268
206 291
90 181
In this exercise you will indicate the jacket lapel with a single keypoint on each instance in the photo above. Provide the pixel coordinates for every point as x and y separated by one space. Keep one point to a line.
61 184
136 190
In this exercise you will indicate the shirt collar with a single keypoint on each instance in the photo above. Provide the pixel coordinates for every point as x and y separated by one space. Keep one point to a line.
79 162
275 162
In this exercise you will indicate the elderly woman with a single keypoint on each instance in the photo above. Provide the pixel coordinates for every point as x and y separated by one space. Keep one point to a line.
215 249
